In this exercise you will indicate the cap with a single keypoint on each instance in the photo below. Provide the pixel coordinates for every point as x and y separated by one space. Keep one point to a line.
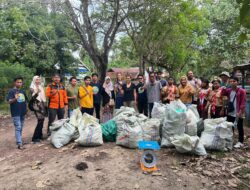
225 73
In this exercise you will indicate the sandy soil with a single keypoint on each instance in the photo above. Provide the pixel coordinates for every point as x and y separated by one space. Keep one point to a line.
108 166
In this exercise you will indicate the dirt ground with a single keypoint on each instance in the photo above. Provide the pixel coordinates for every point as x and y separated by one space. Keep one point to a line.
41 166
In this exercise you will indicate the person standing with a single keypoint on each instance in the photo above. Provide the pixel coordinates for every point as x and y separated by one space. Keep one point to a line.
195 83
185 91
236 107
129 93
162 81
72 94
18 106
203 94
86 97
153 88
58 100
169 92
39 107
216 108
225 79
97 90
118 91
108 102
142 99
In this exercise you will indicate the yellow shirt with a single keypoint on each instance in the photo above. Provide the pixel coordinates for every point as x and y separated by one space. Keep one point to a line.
86 97
186 93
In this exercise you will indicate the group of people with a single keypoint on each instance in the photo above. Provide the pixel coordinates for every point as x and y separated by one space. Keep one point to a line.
219 98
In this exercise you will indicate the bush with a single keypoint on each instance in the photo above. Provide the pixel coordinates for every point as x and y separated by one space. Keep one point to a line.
8 72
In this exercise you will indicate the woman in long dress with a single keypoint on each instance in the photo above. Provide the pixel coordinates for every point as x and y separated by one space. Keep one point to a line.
38 104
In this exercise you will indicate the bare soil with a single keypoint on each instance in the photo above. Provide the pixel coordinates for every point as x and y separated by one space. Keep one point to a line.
41 166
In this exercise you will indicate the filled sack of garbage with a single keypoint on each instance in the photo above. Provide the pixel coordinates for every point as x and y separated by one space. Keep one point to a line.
123 112
174 122
151 130
76 117
159 111
217 134
192 120
61 133
188 144
57 124
128 133
109 131
90 132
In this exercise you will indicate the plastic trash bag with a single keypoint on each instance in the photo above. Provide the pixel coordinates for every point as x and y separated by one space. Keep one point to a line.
159 111
109 131
188 144
217 134
151 130
90 132
76 117
192 119
174 122
62 135
128 135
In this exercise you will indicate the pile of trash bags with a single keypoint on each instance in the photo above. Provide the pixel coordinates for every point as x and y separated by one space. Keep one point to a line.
83 129
133 127
183 129
172 125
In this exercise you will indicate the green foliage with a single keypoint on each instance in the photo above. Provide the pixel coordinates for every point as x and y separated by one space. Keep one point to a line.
226 45
9 71
245 13
123 54
169 34
36 37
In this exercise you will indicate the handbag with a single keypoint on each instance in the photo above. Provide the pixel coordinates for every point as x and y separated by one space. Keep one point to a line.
230 105
111 102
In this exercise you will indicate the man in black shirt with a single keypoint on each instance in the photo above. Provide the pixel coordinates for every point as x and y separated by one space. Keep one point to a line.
142 100
97 88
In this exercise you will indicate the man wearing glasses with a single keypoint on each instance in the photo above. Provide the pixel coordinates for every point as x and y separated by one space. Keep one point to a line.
142 99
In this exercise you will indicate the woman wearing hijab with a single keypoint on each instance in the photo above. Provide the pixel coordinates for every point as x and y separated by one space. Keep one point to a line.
108 102
37 103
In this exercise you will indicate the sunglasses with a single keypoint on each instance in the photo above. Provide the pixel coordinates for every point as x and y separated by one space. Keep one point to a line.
139 78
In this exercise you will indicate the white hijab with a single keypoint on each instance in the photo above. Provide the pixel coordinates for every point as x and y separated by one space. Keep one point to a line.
108 87
41 96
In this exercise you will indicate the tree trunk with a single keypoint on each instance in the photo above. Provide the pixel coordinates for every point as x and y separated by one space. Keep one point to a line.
101 64
142 64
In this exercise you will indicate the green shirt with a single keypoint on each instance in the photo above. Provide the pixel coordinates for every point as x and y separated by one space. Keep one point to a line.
72 91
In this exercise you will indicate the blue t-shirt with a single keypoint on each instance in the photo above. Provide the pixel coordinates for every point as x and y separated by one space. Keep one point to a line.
17 108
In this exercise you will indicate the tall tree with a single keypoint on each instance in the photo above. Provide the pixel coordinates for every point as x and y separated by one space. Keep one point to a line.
167 33
97 24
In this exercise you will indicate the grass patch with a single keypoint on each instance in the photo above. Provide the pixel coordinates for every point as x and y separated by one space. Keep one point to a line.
4 108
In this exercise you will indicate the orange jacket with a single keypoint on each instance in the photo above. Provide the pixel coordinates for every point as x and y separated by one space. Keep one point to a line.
57 96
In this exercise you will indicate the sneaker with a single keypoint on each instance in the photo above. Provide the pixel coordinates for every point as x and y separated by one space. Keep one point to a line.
238 145
20 147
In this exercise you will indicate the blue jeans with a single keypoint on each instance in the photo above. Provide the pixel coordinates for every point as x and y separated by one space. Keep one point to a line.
18 123
70 111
